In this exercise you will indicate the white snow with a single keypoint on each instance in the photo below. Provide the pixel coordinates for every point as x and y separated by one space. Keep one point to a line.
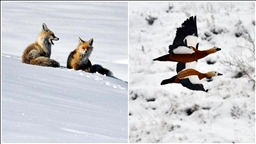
42 104
172 113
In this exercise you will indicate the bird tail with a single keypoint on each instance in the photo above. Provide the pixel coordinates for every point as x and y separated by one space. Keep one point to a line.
170 80
162 58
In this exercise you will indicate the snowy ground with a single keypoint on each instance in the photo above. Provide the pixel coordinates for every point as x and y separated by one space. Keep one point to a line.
59 105
41 104
105 22
172 113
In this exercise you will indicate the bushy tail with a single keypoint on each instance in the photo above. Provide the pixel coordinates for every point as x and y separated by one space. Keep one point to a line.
45 61
98 68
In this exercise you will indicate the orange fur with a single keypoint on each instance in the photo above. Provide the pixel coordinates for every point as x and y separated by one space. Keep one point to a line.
189 72
79 58
41 48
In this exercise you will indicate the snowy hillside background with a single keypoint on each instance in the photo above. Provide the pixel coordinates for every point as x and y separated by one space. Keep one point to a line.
41 104
172 113
105 22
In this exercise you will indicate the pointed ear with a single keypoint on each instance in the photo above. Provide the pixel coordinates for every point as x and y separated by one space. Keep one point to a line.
80 40
45 28
90 41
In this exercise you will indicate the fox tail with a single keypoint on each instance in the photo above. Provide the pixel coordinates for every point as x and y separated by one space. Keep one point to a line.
98 68
45 61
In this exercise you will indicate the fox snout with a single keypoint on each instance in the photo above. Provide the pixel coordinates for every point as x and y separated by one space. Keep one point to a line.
86 51
53 38
56 38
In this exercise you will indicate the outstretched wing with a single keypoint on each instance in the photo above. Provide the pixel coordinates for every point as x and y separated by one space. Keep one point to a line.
186 35
192 83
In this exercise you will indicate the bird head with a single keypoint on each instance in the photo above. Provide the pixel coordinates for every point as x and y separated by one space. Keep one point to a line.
213 74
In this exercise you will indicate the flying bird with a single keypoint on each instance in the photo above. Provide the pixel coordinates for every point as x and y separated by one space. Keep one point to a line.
185 46
189 77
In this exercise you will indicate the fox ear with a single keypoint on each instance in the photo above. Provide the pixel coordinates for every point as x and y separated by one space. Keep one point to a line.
80 40
90 41
45 28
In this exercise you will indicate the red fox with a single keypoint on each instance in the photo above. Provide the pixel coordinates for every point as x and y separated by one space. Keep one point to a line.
39 52
79 59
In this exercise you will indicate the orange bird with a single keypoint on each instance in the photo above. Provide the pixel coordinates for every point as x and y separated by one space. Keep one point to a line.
185 47
189 77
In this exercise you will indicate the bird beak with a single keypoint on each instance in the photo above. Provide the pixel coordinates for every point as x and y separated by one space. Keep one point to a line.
219 74
218 49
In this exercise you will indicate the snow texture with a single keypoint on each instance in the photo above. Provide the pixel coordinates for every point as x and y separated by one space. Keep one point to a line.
172 113
43 104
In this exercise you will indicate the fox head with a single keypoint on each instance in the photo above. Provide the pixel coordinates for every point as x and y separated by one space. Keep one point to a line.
85 47
47 35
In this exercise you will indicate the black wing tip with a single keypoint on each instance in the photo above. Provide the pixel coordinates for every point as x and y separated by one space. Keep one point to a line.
188 27
192 18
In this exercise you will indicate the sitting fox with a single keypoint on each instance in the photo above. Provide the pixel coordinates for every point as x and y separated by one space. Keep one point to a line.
39 52
79 59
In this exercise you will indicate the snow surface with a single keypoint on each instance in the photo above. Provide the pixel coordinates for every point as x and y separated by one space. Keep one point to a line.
105 22
42 104
173 113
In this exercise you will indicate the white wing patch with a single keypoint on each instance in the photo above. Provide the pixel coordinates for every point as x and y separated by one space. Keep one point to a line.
190 65
191 40
193 79
183 50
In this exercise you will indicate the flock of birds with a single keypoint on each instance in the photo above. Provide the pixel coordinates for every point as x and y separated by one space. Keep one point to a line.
184 50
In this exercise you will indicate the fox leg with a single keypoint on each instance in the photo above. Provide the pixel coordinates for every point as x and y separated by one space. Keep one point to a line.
28 56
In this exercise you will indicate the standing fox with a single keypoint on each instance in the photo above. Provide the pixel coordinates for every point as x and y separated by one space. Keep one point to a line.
79 59
39 52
